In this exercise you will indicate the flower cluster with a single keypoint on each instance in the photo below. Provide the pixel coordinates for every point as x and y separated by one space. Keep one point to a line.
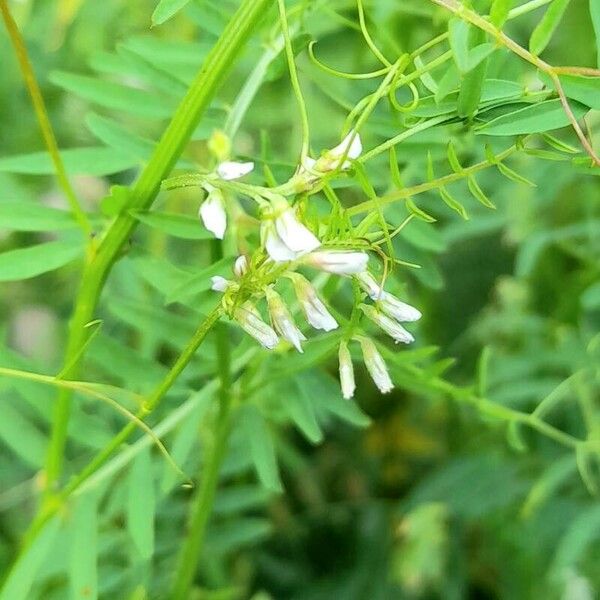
289 244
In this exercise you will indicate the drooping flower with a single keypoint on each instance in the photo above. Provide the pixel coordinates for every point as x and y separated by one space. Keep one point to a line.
285 237
376 366
251 322
389 325
282 320
230 169
339 262
315 311
392 306
346 371
212 211
240 267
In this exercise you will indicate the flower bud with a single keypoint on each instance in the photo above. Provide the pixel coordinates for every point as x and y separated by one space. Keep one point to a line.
392 306
315 311
251 322
240 267
346 371
282 320
391 327
376 366
219 145
219 284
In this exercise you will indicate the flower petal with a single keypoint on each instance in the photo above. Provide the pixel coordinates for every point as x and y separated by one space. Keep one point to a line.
294 234
213 215
234 170
339 262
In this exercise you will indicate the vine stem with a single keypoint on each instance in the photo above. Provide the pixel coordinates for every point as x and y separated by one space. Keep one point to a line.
218 62
289 53
209 474
462 12
52 507
41 114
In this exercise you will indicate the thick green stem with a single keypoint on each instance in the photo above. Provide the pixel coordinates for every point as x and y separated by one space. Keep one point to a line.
186 118
203 504
42 116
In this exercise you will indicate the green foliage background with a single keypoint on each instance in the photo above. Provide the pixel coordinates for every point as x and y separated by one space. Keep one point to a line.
422 493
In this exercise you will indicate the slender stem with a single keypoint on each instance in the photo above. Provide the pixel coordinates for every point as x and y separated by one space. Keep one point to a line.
427 186
203 504
53 505
218 62
289 52
42 116
462 12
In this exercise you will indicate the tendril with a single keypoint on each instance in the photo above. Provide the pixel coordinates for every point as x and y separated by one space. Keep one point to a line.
336 73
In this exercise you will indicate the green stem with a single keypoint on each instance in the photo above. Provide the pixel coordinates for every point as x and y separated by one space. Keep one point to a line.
202 507
404 193
289 52
184 121
53 505
42 116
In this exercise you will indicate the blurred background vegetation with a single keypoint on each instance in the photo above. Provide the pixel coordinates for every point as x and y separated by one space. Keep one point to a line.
431 498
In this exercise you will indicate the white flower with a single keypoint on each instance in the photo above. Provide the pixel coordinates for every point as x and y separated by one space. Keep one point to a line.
392 306
212 212
234 170
346 371
251 322
286 238
219 284
282 320
351 145
339 262
389 325
310 169
240 267
315 311
376 366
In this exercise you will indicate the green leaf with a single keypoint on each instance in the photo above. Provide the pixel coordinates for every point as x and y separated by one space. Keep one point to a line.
165 9
97 161
499 12
21 578
413 209
299 405
29 216
83 568
199 282
545 29
262 449
180 226
20 435
478 193
141 504
595 14
583 89
544 116
459 43
114 96
24 263
453 203
116 136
